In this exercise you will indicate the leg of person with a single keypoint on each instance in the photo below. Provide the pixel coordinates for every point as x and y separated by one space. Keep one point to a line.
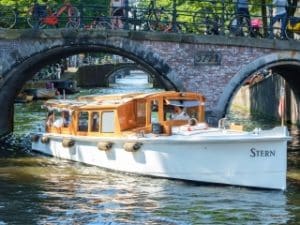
273 21
283 26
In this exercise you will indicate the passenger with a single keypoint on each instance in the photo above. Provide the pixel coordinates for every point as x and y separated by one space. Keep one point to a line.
65 118
62 121
179 113
95 122
279 14
58 123
50 119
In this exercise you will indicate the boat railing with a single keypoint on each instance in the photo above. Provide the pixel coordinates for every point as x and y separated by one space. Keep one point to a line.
221 123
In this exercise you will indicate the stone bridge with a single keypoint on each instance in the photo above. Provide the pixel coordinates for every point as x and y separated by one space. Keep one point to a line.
216 66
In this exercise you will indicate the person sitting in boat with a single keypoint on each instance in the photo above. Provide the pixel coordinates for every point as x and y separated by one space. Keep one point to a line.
58 123
50 119
62 121
179 113
95 122
65 118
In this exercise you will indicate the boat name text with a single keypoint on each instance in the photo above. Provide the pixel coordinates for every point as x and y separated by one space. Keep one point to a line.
261 153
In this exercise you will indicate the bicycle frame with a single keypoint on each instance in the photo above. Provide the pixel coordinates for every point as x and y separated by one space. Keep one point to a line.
293 24
53 18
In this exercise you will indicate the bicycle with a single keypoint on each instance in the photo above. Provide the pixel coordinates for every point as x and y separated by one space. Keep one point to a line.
292 30
101 22
41 16
256 26
212 17
160 19
240 25
8 17
206 21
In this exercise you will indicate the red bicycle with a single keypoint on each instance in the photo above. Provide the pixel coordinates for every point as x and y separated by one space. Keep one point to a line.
41 16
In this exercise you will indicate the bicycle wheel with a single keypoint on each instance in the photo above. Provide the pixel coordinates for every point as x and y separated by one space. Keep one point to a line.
103 23
205 20
153 21
35 21
73 17
292 30
240 26
289 33
8 18
178 28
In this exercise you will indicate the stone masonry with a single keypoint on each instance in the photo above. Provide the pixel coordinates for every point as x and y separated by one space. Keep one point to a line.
216 66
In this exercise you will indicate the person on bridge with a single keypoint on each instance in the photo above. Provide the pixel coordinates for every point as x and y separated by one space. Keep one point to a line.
279 14
242 9
117 8
39 11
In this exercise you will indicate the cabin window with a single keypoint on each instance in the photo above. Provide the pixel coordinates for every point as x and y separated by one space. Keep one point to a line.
83 121
154 111
108 122
181 109
95 122
59 119
141 113
168 110
65 118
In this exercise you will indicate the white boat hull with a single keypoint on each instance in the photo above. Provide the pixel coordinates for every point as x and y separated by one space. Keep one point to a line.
252 160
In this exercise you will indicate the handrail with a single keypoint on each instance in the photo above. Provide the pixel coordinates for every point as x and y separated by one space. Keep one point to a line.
209 17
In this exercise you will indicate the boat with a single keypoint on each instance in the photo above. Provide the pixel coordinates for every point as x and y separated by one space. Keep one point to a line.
41 93
23 98
136 133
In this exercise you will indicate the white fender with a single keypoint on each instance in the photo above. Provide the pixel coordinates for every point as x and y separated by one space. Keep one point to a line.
132 146
45 139
104 145
68 142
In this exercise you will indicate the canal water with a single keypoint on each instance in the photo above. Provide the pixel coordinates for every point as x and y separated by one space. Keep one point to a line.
36 189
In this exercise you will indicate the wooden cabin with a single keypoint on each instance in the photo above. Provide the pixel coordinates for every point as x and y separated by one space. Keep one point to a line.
122 114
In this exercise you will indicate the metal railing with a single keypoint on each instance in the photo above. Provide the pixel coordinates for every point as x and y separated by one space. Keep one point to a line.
207 18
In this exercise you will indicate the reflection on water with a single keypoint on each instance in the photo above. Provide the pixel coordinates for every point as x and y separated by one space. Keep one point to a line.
35 189
43 190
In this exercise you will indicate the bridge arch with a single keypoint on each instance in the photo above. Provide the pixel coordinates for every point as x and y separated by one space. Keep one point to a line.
128 66
23 70
277 62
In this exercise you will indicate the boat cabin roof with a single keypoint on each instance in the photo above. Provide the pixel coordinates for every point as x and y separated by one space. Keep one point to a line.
116 100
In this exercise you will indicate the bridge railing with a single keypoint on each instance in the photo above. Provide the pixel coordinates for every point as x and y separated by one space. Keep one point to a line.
210 17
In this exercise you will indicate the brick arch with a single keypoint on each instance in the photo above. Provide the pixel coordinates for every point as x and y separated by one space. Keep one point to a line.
269 61
14 79
130 66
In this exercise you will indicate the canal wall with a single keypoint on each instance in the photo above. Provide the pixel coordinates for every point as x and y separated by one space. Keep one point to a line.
261 99
94 75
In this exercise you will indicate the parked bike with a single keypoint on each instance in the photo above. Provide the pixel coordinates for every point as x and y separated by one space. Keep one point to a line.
101 22
246 28
161 19
41 16
8 17
292 30
212 17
